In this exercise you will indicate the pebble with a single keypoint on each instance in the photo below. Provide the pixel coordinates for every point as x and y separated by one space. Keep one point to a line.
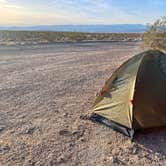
65 114
113 160
65 132
27 130
2 128
4 149
83 140
134 148
61 159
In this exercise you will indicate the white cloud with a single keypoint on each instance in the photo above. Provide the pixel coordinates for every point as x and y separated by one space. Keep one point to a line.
64 12
3 1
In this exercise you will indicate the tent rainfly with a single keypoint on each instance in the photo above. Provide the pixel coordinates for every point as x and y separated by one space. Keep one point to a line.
134 97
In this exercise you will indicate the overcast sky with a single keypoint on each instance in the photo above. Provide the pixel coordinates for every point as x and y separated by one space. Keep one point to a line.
55 12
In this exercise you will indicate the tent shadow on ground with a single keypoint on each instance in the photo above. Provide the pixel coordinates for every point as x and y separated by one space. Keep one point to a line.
153 140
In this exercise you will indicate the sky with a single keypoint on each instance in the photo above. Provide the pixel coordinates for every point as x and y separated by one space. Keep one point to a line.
61 12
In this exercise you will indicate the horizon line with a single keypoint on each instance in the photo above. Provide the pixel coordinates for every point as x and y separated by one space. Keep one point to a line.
71 25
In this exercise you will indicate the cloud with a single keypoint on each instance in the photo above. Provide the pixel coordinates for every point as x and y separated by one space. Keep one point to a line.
98 11
3 1
23 12
7 5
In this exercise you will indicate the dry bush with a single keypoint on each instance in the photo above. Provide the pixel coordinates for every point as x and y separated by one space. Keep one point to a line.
155 36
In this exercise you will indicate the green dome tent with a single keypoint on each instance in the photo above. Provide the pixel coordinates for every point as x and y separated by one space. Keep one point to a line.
134 97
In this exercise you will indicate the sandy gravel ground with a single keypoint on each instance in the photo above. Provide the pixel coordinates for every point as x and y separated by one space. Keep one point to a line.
45 93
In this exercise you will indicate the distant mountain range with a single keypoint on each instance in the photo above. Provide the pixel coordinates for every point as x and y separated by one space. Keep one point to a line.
114 28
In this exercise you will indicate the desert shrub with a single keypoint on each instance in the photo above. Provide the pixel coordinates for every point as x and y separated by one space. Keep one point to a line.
155 36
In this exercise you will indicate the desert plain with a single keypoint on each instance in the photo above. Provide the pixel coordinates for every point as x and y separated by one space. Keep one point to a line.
46 94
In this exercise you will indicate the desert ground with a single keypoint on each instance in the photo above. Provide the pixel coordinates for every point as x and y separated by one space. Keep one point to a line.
46 93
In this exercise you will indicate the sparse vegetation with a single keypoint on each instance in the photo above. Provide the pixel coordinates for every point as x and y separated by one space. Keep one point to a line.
155 36
32 37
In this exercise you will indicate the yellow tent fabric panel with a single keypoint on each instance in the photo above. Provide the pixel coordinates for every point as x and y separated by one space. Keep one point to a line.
115 102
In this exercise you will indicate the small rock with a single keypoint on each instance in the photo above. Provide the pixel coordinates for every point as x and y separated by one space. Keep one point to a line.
31 163
82 140
61 159
4 149
78 133
27 130
111 159
114 160
65 114
134 148
85 117
2 128
64 132
109 143
156 155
